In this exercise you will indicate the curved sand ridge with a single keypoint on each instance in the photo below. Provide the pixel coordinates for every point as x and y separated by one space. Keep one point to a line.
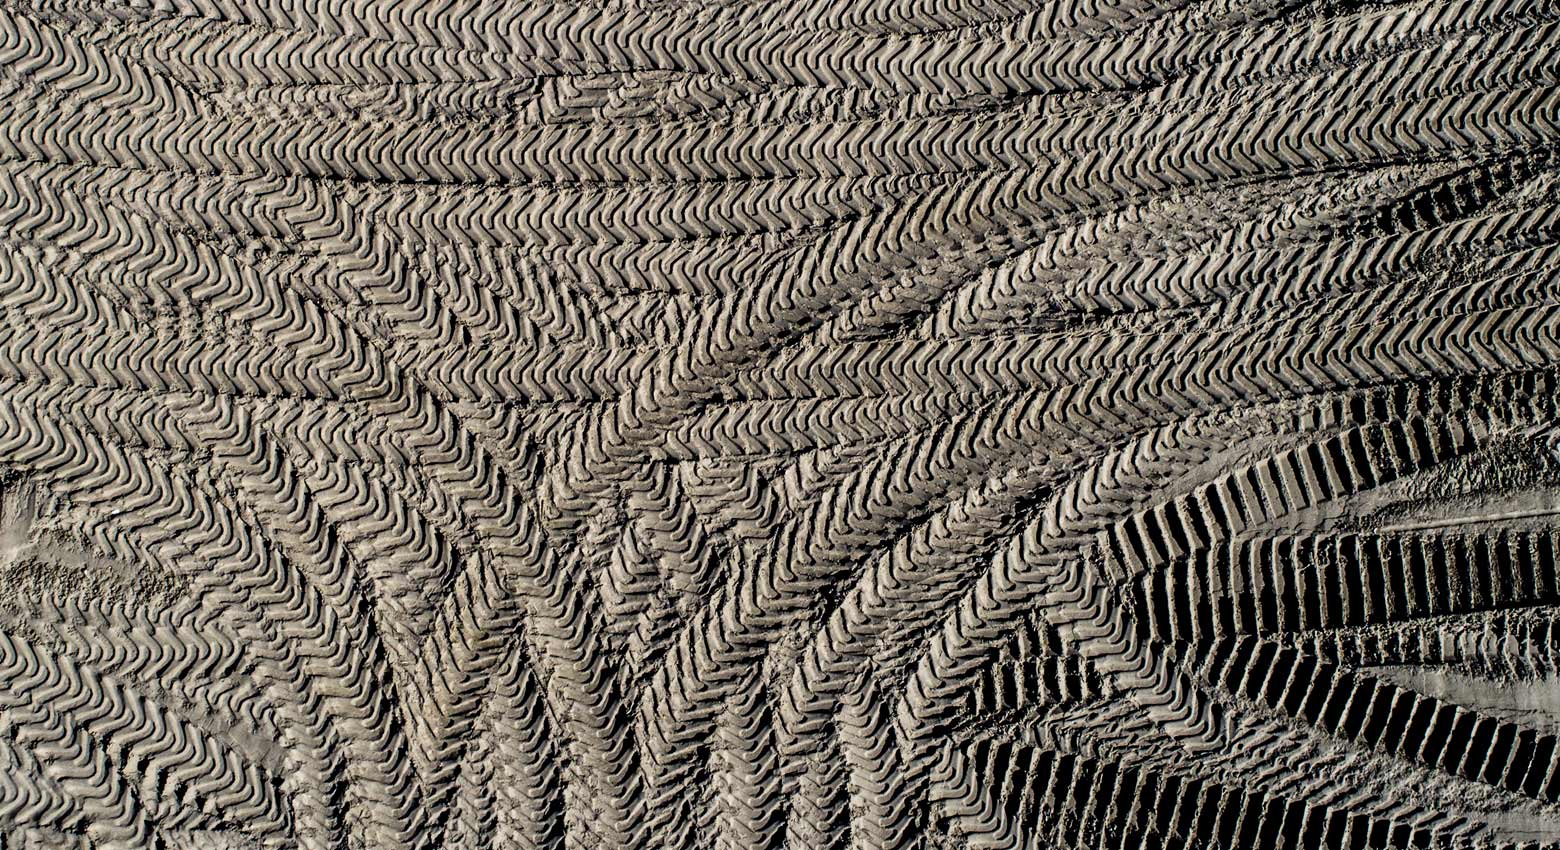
1115 424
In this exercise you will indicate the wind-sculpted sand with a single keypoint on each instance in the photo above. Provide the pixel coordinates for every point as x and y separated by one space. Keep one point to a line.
767 426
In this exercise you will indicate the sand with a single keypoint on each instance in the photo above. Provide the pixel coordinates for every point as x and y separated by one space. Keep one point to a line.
931 424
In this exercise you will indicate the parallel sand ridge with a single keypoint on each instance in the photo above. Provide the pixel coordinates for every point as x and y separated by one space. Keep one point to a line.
809 425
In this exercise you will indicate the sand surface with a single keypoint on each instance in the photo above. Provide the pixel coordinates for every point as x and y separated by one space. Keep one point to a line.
929 424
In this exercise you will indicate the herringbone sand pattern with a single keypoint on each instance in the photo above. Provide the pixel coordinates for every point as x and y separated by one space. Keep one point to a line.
768 426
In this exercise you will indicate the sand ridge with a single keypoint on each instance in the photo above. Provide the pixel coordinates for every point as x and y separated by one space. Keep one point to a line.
928 424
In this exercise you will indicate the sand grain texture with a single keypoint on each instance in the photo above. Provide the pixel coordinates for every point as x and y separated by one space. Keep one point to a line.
924 424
